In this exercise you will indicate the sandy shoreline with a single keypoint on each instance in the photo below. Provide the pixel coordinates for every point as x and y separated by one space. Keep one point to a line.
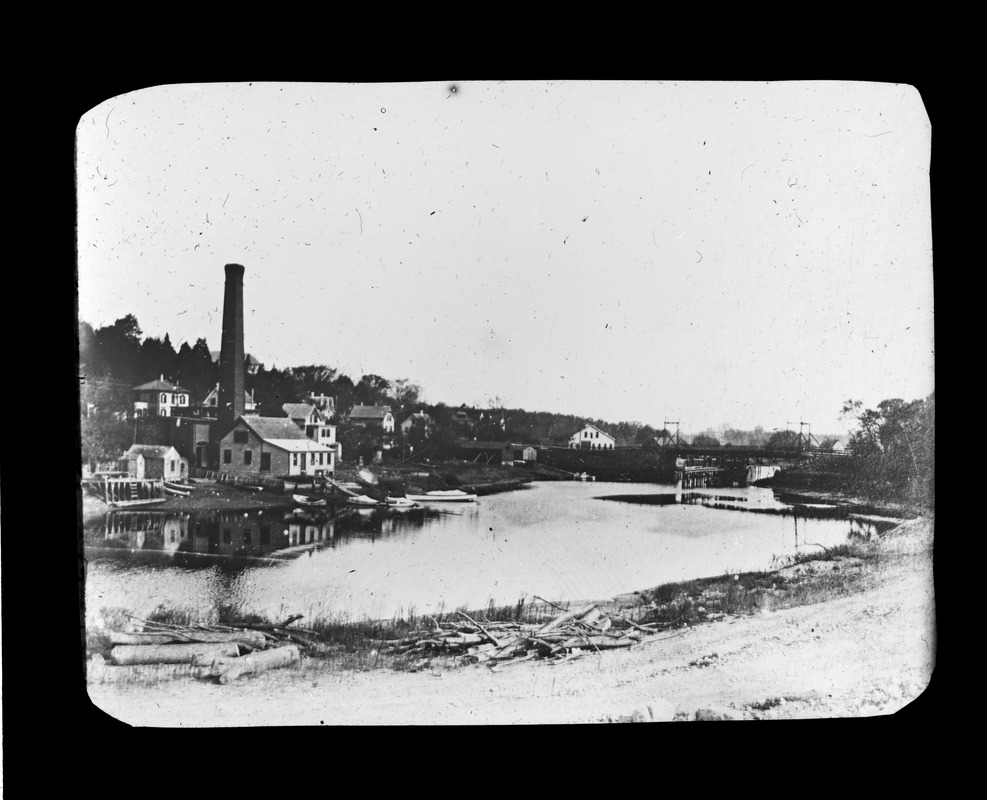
867 653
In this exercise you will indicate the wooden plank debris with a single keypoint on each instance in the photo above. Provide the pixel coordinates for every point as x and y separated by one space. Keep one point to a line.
573 632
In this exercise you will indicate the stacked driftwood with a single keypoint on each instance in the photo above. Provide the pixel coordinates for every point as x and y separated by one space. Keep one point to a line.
213 651
577 632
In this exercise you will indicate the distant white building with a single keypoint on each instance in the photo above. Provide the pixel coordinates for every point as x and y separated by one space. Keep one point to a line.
314 423
592 438
379 417
160 398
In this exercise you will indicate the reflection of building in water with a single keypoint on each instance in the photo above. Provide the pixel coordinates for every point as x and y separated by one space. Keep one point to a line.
302 529
174 531
237 533
210 532
140 531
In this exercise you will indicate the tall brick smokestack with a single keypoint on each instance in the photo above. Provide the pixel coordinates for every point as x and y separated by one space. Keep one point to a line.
231 367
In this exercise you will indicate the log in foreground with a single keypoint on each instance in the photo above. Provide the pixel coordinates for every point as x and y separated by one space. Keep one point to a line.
194 652
228 670
253 640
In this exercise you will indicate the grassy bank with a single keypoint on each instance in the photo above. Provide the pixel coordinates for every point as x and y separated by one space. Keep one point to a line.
341 645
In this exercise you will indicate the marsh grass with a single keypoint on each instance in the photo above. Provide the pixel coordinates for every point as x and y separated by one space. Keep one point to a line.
347 645
821 574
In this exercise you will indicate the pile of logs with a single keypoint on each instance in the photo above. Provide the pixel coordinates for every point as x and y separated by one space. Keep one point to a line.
213 651
571 633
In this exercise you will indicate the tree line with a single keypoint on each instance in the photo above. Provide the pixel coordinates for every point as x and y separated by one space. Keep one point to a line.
115 358
894 450
893 444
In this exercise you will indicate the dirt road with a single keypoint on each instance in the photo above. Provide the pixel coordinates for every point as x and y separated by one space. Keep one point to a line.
861 654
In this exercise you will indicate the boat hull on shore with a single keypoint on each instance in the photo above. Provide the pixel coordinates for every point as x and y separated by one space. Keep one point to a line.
452 496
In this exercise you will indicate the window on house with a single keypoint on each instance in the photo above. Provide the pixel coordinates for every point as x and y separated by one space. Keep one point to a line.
248 457
164 398
240 437
294 459
246 535
265 462
163 412
172 467
227 456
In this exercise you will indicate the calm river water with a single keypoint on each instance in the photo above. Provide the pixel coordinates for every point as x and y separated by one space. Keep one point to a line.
560 541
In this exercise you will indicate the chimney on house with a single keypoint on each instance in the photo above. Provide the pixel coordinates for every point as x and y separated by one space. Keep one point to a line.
231 370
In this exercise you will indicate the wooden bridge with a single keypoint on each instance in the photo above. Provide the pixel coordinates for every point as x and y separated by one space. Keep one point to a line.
737 452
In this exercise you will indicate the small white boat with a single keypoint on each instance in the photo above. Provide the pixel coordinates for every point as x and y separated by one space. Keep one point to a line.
308 502
362 500
173 490
443 496
400 502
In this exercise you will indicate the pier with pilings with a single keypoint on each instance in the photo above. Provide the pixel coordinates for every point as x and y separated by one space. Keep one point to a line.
121 492
699 476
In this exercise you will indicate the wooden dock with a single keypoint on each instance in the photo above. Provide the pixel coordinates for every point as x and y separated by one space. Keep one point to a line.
123 492
699 477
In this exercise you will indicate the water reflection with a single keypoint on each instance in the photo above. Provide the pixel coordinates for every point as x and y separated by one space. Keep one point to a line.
562 541
264 533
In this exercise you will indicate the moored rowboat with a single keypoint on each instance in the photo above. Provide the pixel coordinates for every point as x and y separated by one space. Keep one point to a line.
443 496
400 502
362 500
302 500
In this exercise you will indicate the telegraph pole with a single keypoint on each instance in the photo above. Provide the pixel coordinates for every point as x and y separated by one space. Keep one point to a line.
803 442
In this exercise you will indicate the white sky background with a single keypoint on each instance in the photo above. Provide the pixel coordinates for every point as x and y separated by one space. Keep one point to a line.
741 253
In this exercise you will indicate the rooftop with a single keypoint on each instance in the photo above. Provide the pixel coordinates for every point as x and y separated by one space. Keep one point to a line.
303 445
369 412
149 450
302 411
271 428
160 385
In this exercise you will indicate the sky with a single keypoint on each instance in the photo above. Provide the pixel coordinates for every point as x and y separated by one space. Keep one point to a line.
710 253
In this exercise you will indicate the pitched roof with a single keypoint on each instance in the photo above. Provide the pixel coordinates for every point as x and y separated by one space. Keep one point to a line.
369 412
149 450
303 445
418 415
321 401
269 428
160 385
589 425
302 411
